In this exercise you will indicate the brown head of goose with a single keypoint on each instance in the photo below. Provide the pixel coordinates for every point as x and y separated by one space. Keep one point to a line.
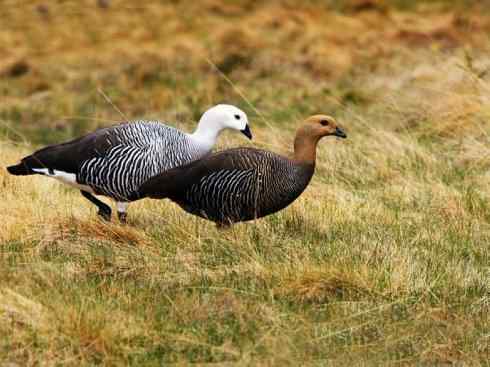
244 183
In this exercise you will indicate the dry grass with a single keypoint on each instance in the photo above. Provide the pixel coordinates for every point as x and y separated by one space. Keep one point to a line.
384 260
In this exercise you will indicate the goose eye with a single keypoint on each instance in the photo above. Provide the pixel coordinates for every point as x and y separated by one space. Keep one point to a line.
324 122
237 117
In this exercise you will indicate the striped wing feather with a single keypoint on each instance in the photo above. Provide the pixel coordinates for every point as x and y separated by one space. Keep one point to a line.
178 180
142 151
115 161
233 185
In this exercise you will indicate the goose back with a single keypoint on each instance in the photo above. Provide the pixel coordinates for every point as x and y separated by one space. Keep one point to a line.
234 185
137 152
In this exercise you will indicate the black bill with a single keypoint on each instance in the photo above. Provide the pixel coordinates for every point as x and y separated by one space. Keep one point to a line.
340 133
247 132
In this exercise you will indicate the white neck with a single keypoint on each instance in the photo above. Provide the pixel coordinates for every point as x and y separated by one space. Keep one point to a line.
206 136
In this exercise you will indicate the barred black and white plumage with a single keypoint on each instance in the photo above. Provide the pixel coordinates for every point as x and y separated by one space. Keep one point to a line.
154 148
260 183
115 161
242 184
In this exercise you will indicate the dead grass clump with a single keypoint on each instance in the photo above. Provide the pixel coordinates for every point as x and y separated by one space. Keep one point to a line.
16 69
95 332
22 310
357 6
439 32
89 333
324 285
95 229
444 98
237 49
224 9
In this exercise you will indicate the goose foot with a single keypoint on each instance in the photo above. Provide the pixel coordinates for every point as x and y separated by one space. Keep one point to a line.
105 214
122 206
123 217
104 209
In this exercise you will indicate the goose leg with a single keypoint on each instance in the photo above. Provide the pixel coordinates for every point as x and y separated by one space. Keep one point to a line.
104 209
121 211
223 225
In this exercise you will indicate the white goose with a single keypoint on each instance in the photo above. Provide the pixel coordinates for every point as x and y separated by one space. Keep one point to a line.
115 161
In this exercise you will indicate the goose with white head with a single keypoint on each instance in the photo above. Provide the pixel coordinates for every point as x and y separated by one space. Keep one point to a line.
215 120
116 160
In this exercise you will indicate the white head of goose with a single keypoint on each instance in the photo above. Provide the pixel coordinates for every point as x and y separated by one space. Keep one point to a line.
242 184
217 119
115 161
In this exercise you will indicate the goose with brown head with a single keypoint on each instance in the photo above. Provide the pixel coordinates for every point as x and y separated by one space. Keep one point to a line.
243 184
309 134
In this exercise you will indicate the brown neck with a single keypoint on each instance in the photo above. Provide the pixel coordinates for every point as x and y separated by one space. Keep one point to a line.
305 149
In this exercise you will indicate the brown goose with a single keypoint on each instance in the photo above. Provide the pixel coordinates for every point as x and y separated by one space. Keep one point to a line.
244 183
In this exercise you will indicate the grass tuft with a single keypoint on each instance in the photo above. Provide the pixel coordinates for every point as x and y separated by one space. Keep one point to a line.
382 261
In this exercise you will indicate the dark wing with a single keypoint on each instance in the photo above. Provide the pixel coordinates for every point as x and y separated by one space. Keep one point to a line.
177 180
68 156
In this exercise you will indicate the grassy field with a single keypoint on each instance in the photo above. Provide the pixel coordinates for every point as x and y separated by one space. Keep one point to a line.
384 260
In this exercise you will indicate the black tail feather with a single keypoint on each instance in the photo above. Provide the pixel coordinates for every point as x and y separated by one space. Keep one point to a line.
20 170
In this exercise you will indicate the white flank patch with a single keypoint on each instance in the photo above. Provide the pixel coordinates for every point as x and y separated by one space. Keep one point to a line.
65 177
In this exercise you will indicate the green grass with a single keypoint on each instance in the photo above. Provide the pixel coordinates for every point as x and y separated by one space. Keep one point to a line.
383 260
